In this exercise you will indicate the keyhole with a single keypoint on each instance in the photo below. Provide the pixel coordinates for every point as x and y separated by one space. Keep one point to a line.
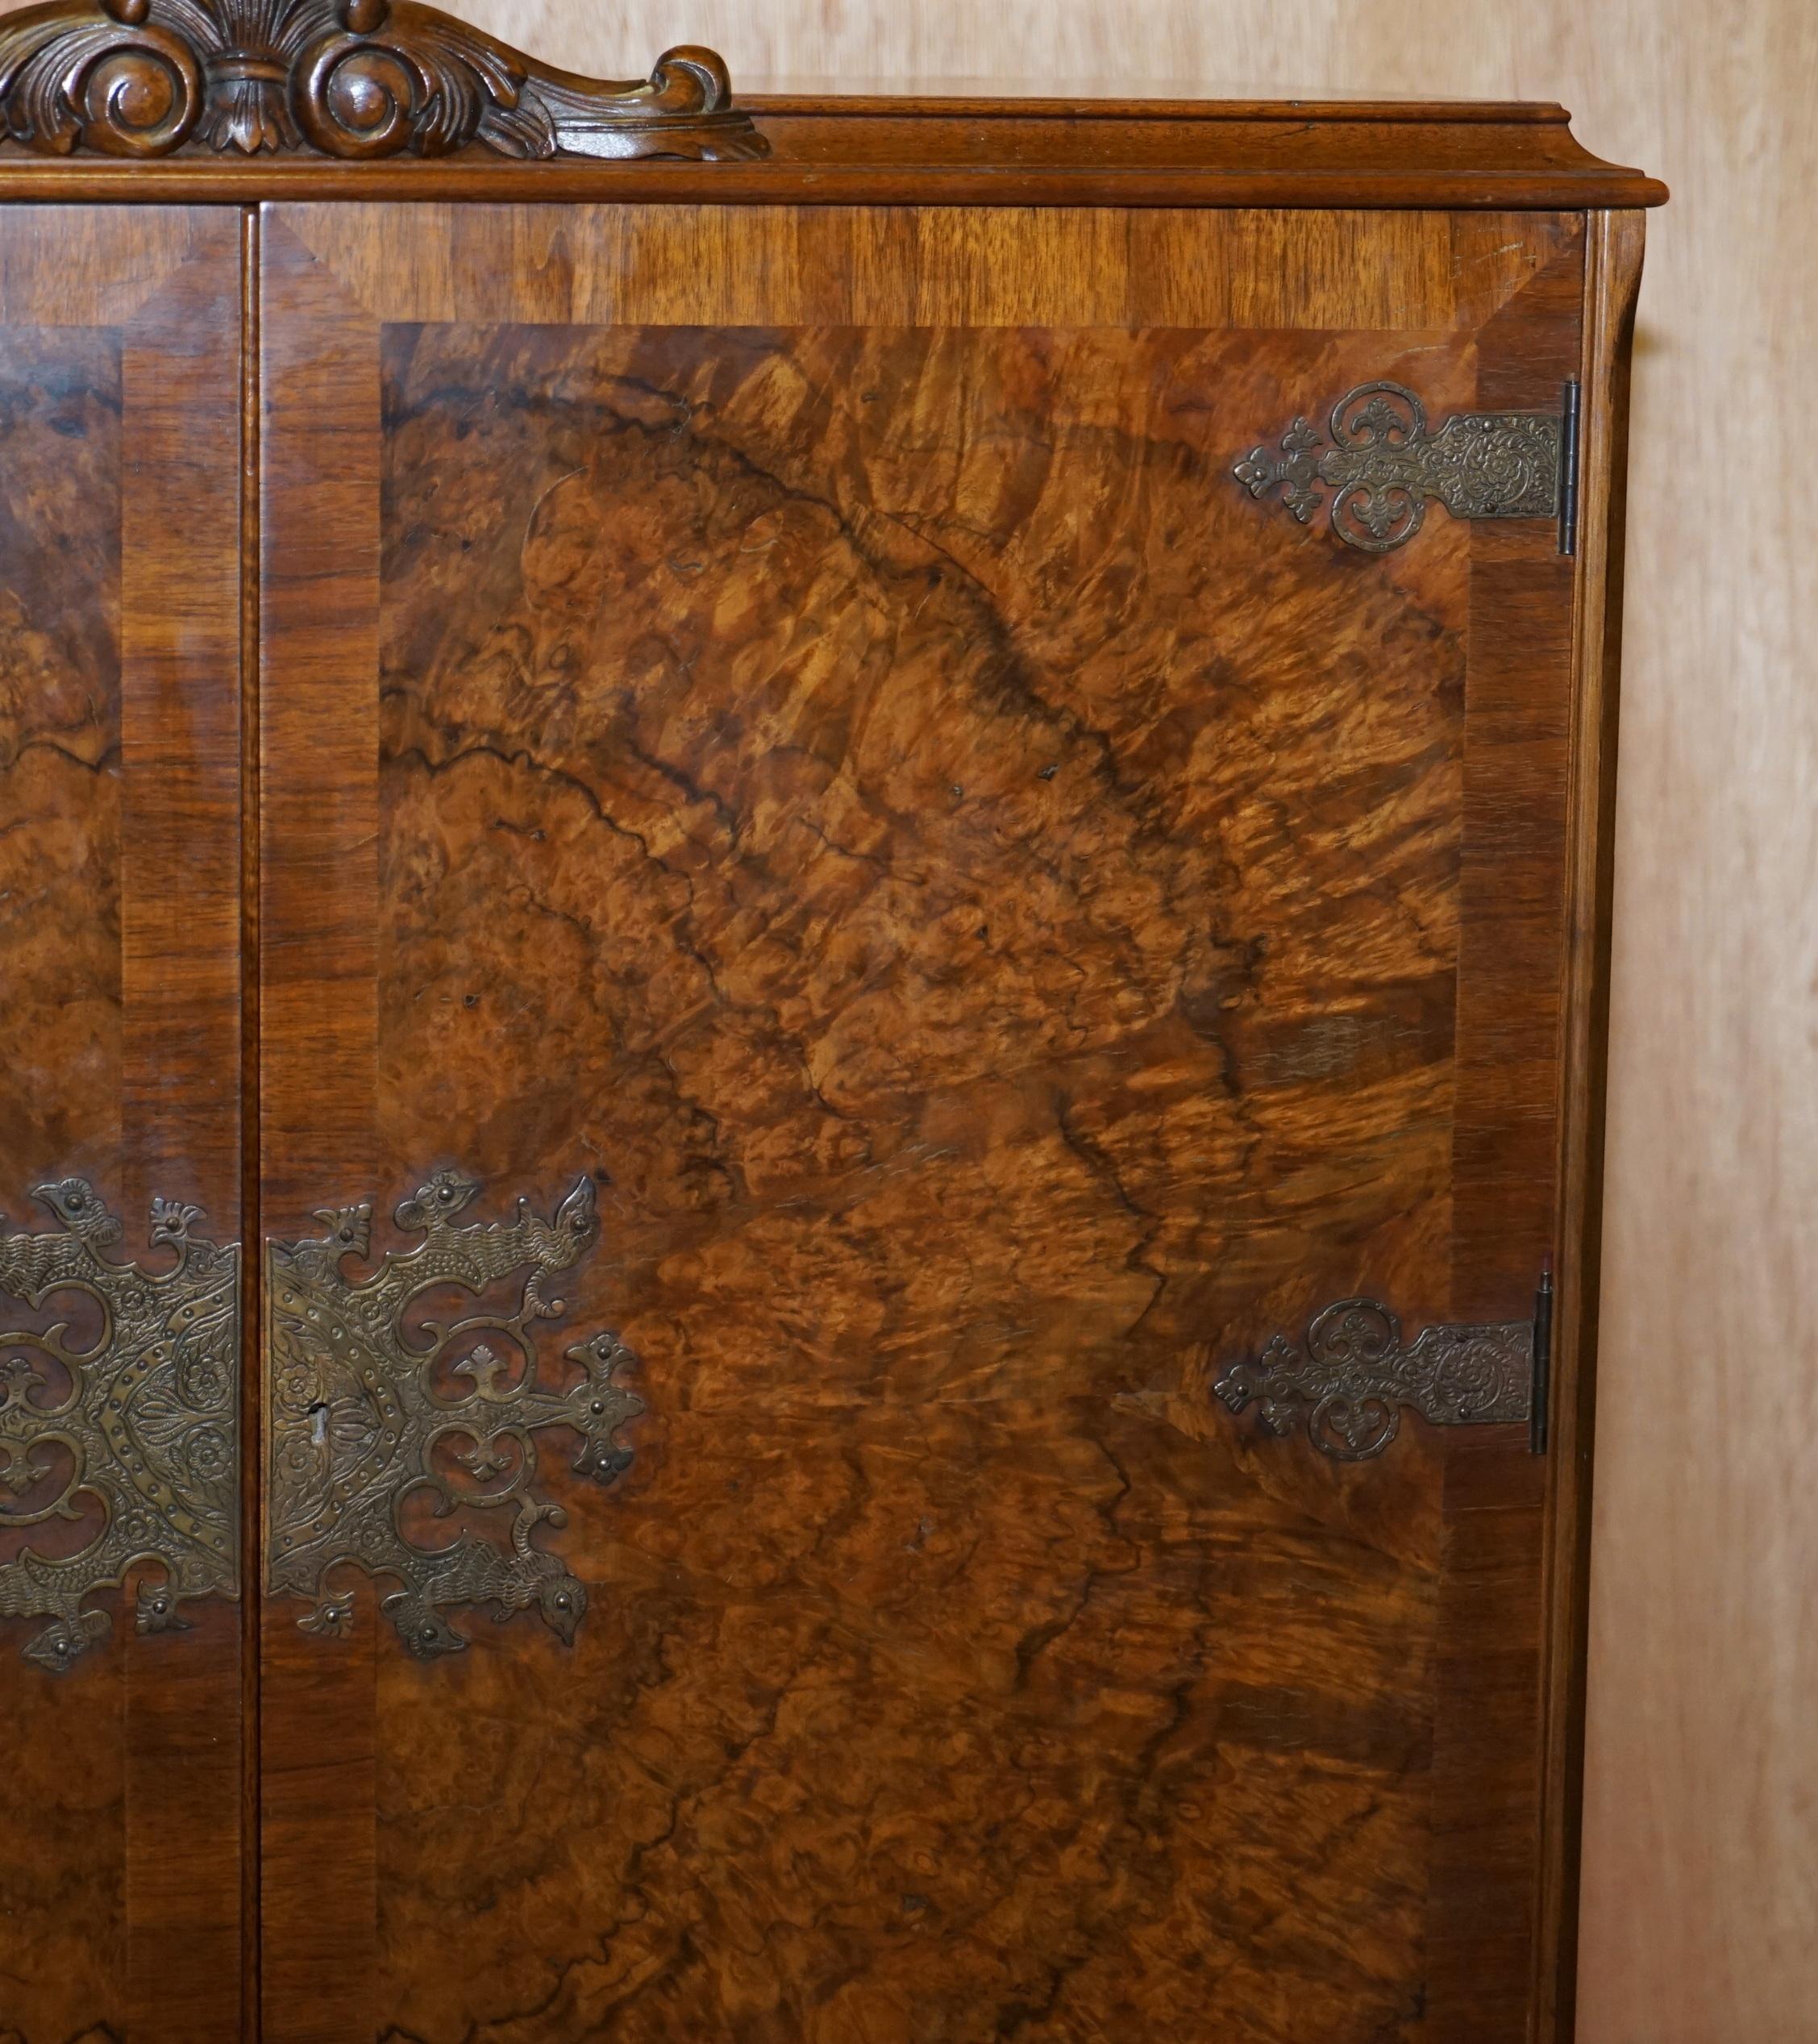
319 1424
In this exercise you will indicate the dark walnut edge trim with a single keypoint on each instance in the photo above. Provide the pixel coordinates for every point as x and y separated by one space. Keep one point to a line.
350 79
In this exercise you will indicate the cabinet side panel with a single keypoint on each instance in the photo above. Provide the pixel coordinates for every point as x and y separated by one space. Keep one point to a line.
1615 243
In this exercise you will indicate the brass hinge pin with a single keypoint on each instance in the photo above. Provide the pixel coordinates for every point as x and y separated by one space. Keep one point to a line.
1538 1412
1568 468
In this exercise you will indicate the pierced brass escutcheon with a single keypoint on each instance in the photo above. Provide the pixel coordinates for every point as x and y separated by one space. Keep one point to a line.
138 1428
1352 1377
363 1414
1384 464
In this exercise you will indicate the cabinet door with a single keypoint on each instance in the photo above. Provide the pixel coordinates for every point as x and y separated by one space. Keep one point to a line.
121 1778
853 928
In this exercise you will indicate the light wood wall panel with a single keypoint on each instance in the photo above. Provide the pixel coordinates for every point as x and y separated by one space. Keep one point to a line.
1702 1864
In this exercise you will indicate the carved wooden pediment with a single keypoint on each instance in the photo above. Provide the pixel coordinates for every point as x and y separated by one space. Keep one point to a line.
342 78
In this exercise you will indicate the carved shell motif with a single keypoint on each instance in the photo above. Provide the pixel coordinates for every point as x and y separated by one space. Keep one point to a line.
347 78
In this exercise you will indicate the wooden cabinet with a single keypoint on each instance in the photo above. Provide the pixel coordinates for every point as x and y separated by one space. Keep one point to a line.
868 852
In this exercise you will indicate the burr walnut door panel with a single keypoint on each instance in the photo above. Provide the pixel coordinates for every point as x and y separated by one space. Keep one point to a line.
120 1693
849 923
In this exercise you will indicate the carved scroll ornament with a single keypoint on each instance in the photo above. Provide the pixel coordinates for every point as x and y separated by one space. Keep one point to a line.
369 1418
130 1428
1354 1376
1385 464
347 78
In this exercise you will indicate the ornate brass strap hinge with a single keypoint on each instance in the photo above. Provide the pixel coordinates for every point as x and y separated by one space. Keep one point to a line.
1384 464
348 78
1353 1376
368 1420
125 1430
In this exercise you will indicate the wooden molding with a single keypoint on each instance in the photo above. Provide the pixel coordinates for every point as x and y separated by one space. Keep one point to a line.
350 79
210 101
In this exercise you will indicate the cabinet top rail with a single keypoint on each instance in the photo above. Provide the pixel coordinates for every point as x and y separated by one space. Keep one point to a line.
237 101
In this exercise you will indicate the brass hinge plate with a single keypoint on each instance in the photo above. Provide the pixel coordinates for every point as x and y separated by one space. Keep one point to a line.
1350 1378
1384 464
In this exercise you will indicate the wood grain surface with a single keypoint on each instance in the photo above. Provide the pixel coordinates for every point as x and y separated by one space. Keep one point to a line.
998 961
318 1027
1701 1884
63 1894
180 973
948 150
120 857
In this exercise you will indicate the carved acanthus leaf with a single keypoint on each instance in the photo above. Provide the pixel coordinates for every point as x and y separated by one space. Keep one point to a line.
353 79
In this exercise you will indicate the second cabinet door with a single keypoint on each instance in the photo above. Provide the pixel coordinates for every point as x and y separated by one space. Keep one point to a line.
851 927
